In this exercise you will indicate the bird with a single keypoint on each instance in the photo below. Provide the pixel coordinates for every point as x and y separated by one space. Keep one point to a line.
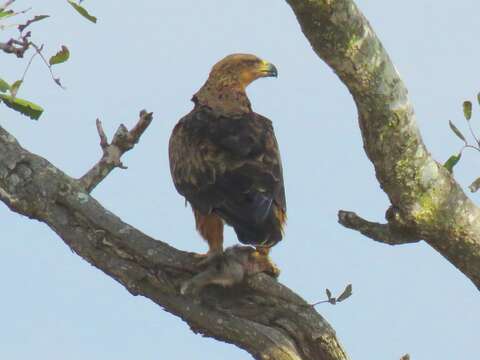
225 160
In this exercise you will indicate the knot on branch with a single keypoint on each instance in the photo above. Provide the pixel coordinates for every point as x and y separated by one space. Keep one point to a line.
395 218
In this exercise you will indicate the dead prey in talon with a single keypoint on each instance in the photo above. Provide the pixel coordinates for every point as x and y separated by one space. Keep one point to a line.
230 268
224 160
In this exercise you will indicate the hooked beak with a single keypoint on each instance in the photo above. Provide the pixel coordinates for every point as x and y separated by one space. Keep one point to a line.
268 69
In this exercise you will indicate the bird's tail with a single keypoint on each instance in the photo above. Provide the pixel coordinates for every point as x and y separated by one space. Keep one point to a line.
266 233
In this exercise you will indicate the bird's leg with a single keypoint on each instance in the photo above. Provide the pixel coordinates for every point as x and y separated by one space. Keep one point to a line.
215 248
213 252
264 263
210 227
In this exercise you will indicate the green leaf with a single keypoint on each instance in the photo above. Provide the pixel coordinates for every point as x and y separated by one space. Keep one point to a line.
4 86
15 86
467 109
478 98
329 293
82 11
456 131
7 13
60 57
35 19
33 111
346 293
452 161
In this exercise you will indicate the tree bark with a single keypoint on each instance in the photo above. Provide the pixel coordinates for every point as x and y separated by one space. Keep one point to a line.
260 315
426 201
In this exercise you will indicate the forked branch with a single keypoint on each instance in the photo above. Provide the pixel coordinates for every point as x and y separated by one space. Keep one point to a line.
259 315
122 141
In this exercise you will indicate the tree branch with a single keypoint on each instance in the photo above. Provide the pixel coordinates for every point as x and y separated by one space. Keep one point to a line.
6 4
259 315
16 47
474 186
123 141
383 233
432 205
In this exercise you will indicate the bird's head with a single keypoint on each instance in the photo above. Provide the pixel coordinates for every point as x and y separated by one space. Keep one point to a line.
224 90
241 70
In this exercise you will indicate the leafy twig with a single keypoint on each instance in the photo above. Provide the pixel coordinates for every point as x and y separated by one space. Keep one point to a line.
454 159
39 52
347 292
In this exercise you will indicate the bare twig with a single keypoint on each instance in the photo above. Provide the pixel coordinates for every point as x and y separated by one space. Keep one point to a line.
28 67
468 146
320 302
6 4
383 233
102 135
472 132
122 141
22 27
17 47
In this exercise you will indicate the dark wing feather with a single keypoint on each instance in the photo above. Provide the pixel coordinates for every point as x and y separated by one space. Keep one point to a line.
231 166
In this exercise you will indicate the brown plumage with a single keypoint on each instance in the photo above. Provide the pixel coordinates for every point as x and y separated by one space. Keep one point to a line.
225 161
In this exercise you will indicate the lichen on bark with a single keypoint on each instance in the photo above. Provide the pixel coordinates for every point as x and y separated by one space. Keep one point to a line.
428 201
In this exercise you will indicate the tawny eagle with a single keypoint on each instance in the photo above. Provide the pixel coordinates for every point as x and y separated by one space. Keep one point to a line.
224 158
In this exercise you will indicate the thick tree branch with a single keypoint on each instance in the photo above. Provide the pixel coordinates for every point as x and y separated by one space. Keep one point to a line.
431 204
123 140
259 315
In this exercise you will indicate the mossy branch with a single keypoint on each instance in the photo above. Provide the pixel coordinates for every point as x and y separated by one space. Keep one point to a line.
429 201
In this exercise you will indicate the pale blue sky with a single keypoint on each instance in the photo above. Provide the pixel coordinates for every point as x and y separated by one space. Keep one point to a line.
155 55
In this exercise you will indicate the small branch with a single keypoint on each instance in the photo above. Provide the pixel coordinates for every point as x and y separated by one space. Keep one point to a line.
6 4
383 233
472 133
474 186
16 47
39 49
22 79
123 140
